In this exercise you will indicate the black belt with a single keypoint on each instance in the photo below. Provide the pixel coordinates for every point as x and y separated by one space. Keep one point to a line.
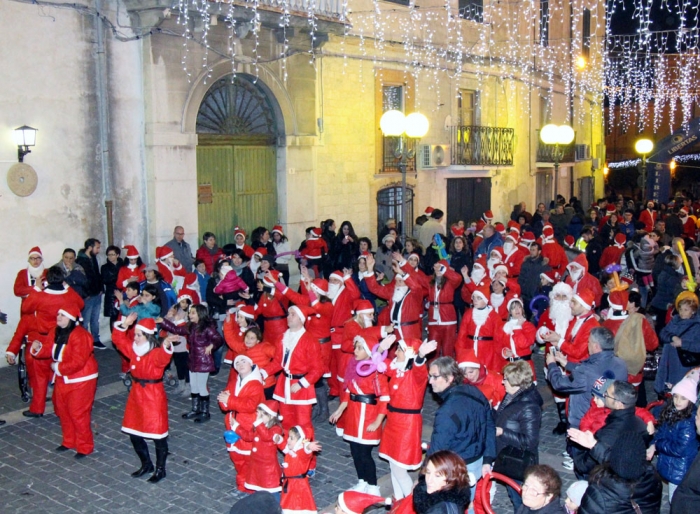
143 381
293 376
525 358
369 399
480 338
284 481
273 318
324 340
435 304
391 408
408 323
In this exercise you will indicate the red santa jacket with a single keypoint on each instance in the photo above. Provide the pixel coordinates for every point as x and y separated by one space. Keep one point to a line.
689 228
471 286
359 415
127 275
595 417
342 309
490 383
234 335
242 404
262 354
74 361
514 261
482 339
556 256
146 413
25 283
299 361
546 324
264 472
296 491
611 255
406 315
502 308
442 309
174 276
587 282
314 250
649 219
575 344
273 310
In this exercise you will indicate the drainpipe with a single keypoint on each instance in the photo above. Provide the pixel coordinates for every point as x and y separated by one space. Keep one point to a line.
103 120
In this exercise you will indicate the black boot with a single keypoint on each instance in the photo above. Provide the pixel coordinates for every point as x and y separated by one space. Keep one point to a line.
203 415
322 414
141 449
563 424
196 402
161 457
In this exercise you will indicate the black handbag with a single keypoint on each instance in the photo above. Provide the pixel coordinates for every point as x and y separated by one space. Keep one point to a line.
512 462
688 359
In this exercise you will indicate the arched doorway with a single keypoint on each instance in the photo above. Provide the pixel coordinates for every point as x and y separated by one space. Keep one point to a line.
236 158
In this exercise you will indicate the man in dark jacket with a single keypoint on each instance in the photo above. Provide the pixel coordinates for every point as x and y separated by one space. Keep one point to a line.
92 292
594 248
463 422
529 278
560 221
686 499
621 399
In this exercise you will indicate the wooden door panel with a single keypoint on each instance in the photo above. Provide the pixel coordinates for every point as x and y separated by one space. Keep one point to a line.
215 169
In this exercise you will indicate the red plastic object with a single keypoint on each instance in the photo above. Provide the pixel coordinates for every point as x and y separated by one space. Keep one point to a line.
484 486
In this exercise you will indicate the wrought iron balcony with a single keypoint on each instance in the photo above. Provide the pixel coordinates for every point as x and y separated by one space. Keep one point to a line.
475 145
545 153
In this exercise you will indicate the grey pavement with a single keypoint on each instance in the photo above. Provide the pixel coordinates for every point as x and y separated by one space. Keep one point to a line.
200 476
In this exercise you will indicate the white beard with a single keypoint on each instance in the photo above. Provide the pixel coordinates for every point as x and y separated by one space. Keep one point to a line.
479 316
576 274
333 290
497 299
491 263
36 272
399 293
254 265
508 247
477 275
560 314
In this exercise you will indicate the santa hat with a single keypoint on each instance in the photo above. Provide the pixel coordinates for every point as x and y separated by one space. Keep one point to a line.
147 325
480 225
466 358
562 288
610 208
315 233
500 228
272 407
687 388
513 236
547 231
514 227
260 252
300 431
363 307
498 250
238 231
338 275
364 255
585 298
185 294
354 502
303 312
620 240
365 342
277 229
190 279
131 252
275 275
320 286
410 346
580 261
487 216
35 251
569 241
551 276
444 265
618 300
528 237
242 358
247 311
683 210
481 261
163 252
500 267
515 299
70 312
481 291
428 210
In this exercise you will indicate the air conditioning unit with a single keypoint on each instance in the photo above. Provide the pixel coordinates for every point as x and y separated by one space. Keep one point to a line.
583 152
440 155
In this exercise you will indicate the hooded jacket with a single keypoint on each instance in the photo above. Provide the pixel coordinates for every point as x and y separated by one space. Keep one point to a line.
610 494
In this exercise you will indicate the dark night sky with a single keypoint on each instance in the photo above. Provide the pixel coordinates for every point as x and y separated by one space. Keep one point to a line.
663 18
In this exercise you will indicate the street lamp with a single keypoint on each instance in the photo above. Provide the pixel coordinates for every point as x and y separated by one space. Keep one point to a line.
24 138
414 126
557 136
644 148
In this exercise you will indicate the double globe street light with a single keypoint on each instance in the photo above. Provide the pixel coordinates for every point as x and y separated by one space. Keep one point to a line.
644 147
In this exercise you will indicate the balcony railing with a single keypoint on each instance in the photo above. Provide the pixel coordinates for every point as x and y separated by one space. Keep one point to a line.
545 153
329 8
482 146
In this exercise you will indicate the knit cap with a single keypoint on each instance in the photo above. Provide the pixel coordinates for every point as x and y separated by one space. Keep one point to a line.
600 386
576 490
687 388
628 456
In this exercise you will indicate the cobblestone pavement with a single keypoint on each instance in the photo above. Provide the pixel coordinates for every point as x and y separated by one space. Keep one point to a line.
200 475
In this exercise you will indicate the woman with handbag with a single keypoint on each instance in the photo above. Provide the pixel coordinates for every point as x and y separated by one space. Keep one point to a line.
518 420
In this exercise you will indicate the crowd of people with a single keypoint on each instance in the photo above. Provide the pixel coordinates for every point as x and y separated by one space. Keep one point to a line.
605 295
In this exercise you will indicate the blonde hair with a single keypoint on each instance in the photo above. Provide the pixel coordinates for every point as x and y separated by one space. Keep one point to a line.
518 374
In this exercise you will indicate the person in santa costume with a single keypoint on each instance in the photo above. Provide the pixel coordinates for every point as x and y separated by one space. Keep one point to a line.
479 236
478 278
32 277
314 251
363 407
649 216
133 271
513 254
263 472
525 241
613 254
261 352
239 237
553 251
580 280
343 293
314 294
236 325
271 309
297 497
405 295
480 326
518 335
401 438
489 382
170 268
146 414
501 293
574 345
240 401
688 223
39 311
442 316
69 347
354 502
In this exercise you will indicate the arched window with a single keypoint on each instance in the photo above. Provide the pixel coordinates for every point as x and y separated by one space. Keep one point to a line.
389 200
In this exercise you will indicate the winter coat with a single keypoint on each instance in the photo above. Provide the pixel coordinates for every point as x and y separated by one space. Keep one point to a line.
209 257
670 368
668 285
575 226
676 446
611 494
343 255
464 424
93 287
383 261
553 507
520 417
686 499
457 261
197 341
109 273
529 278
594 251
489 244
439 501
559 223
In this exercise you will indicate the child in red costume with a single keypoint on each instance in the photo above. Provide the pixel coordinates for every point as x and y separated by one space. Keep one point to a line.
489 382
296 491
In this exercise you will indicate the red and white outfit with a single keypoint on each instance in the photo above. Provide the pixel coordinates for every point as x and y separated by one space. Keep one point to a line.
296 497
263 472
648 217
367 397
553 251
342 300
405 304
613 253
314 250
75 384
574 345
518 338
584 281
489 382
401 438
273 311
515 257
129 274
442 316
479 329
31 278
262 354
173 275
146 413
246 394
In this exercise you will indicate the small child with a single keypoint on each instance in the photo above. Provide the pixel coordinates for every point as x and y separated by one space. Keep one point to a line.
230 281
675 441
296 491
314 251
178 315
263 472
457 229
148 305
202 276
574 494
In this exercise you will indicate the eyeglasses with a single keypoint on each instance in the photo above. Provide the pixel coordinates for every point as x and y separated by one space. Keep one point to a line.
606 395
532 490
433 377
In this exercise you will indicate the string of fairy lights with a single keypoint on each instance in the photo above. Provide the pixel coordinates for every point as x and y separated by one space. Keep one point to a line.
562 48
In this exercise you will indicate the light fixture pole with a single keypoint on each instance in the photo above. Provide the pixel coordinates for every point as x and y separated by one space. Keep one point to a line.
644 148
557 136
412 127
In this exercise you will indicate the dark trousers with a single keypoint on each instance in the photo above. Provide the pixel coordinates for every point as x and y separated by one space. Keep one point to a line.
139 443
180 360
364 463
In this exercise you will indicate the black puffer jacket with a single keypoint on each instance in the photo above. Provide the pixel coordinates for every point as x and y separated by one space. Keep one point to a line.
609 494
520 416
439 502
